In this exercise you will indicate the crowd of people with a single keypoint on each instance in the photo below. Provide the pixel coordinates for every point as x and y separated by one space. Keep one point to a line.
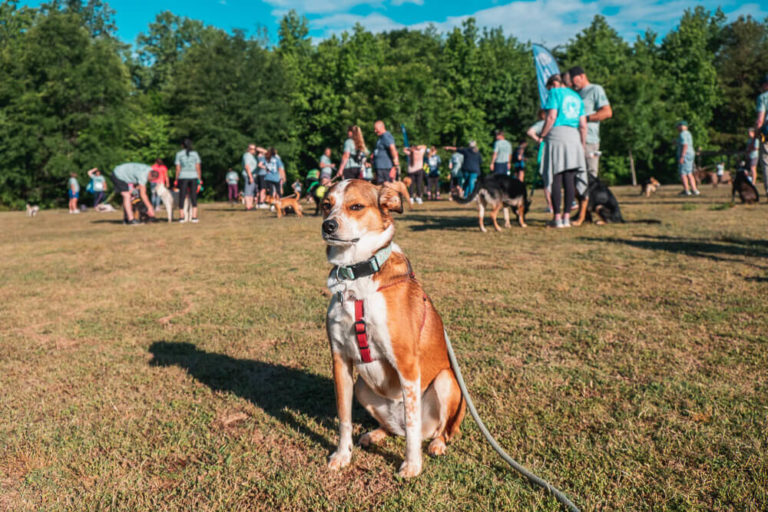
567 134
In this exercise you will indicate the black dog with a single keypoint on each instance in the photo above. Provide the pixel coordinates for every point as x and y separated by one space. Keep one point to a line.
496 192
598 199
747 191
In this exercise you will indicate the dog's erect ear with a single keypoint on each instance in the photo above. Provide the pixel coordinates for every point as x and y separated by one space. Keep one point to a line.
389 199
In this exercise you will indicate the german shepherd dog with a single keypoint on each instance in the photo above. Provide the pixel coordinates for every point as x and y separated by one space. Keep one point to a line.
598 199
746 190
495 192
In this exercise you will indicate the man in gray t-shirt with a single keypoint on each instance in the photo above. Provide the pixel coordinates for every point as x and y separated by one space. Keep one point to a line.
597 108
502 155
132 173
386 160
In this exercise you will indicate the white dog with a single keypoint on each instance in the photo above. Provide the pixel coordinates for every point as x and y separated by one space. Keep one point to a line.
32 210
167 198
104 208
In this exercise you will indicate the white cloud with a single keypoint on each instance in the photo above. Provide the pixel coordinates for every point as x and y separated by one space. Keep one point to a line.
549 22
319 6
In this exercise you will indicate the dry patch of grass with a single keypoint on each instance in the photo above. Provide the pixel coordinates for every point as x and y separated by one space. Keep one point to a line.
185 367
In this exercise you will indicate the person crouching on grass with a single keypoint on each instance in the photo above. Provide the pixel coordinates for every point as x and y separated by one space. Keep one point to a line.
125 175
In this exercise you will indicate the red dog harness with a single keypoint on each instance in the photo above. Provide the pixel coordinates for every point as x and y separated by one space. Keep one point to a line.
362 336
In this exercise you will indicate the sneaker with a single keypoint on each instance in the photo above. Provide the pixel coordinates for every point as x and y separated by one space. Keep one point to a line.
182 220
195 220
556 223
696 192
688 193
566 223
133 222
410 200
263 206
76 211
419 201
684 193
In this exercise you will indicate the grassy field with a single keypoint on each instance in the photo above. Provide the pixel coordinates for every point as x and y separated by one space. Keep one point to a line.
185 367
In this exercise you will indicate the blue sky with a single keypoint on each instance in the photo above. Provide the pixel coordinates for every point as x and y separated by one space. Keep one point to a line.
542 21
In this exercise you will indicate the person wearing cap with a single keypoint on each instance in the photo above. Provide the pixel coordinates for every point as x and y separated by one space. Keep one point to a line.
685 155
473 162
564 135
597 108
502 155
761 128
125 175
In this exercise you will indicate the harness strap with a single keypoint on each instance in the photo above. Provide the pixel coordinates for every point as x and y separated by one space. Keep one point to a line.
360 334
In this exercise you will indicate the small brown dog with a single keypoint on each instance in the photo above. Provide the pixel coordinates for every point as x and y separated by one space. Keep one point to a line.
281 203
649 186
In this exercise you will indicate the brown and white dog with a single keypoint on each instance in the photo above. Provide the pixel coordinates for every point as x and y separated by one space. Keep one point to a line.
381 322
281 203
649 186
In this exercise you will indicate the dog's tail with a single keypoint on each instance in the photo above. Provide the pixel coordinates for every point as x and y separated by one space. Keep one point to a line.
466 200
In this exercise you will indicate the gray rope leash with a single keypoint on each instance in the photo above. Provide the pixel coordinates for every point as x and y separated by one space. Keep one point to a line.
562 498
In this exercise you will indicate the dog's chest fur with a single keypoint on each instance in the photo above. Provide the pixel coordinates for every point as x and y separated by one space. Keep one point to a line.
378 374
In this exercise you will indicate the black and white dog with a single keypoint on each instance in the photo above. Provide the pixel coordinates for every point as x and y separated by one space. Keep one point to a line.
495 192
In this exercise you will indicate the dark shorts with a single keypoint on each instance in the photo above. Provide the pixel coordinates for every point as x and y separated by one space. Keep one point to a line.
261 183
273 188
120 185
351 173
500 168
382 175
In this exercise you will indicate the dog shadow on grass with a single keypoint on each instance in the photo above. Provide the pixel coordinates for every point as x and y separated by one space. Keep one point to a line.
443 223
715 249
276 389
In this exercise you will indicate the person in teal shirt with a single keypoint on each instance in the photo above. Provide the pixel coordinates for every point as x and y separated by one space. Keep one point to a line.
761 128
564 134
98 186
685 154
188 177
73 193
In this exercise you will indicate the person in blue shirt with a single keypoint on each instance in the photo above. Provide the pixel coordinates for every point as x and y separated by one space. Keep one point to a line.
761 128
275 177
564 135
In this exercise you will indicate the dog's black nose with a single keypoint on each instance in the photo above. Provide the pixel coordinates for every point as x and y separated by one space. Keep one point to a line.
330 226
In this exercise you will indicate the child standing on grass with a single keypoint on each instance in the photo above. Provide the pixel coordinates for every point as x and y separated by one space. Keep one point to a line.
73 193
232 178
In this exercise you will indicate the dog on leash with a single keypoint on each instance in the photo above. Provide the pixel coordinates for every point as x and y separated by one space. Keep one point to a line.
649 186
382 323
167 198
598 199
497 192
32 210
746 190
283 203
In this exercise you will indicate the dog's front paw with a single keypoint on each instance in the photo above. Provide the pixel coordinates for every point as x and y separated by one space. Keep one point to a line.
576 223
409 469
339 459
523 225
483 230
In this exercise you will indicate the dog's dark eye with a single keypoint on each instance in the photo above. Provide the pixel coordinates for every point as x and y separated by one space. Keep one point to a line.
356 207
326 207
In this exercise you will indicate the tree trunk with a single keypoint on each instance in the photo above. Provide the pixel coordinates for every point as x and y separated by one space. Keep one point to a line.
632 168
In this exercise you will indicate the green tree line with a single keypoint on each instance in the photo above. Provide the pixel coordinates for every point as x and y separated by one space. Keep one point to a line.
73 96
